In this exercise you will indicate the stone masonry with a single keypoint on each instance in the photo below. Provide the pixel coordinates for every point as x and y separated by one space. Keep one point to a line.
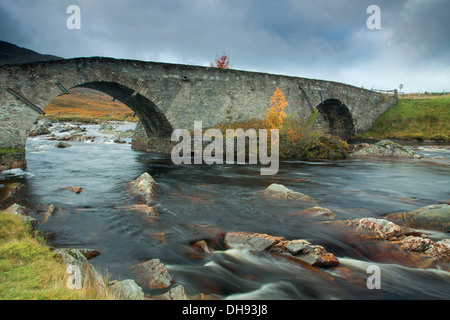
170 96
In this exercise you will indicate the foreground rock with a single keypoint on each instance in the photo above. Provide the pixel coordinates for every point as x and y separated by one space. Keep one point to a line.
434 217
314 255
278 191
152 275
386 149
144 185
82 273
128 290
16 160
175 293
383 240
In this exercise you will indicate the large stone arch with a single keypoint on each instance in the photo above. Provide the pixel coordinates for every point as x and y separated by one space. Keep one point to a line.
150 116
335 118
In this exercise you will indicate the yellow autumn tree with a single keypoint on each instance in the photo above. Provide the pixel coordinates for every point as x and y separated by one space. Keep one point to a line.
275 114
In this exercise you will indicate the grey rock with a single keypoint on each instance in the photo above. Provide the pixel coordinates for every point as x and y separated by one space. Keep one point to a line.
386 149
434 217
62 145
128 290
278 191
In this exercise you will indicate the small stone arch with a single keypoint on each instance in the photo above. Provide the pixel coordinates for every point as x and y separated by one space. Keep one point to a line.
335 118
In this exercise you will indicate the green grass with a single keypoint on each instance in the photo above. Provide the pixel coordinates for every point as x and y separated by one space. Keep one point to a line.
414 118
8 151
28 269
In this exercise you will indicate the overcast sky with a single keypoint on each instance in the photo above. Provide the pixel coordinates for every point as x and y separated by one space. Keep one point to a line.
322 39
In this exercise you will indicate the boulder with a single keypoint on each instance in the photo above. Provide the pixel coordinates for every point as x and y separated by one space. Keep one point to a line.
379 228
128 290
82 273
386 149
145 185
62 145
252 241
434 217
314 255
176 293
434 251
152 275
278 191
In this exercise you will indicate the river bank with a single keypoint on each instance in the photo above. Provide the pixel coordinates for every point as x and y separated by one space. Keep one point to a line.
188 221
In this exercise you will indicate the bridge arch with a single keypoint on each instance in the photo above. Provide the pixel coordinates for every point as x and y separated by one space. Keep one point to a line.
151 118
335 118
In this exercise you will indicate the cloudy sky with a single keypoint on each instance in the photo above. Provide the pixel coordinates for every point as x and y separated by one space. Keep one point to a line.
322 39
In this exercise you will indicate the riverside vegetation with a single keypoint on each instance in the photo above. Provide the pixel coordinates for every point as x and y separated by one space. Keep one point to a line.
420 118
29 269
298 138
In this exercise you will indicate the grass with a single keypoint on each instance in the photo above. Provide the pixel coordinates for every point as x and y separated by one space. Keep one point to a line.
28 268
8 151
420 118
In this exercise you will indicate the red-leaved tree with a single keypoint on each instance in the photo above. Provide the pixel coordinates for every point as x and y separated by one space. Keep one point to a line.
222 62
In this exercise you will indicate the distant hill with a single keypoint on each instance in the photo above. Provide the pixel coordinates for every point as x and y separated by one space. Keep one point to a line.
10 54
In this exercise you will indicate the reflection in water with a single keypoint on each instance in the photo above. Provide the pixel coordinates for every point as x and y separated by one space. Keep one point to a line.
105 217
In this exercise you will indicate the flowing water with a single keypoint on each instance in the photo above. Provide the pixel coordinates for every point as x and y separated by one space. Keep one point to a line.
104 216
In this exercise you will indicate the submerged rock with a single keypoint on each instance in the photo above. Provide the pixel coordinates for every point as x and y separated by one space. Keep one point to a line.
386 149
434 217
278 191
316 212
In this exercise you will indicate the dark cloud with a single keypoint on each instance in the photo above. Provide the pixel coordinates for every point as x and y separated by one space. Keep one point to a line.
325 39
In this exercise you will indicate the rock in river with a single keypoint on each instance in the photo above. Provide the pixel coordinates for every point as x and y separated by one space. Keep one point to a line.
434 217
145 185
386 149
278 191
152 274
313 255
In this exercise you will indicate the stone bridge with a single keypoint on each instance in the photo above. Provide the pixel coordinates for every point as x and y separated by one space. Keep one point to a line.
170 96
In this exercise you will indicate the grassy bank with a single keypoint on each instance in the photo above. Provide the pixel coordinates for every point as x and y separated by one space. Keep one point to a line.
28 268
420 118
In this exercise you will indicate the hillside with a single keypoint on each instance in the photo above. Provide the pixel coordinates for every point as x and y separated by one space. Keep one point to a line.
420 118
83 104
11 54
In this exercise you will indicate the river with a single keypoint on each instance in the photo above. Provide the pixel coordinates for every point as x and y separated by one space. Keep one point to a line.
104 217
